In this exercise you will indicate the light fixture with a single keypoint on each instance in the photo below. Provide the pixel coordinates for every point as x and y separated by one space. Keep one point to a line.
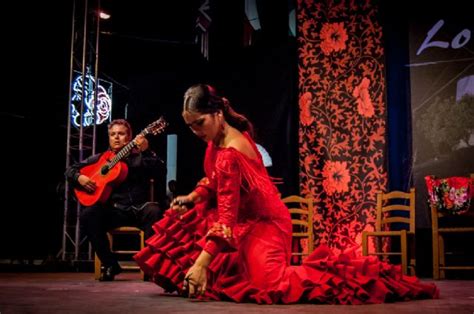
104 16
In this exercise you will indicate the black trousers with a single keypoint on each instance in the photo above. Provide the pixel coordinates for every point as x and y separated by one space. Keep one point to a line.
98 219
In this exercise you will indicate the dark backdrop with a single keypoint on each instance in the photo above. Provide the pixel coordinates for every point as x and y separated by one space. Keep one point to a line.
150 56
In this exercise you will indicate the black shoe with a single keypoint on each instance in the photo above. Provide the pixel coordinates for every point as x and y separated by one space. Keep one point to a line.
107 273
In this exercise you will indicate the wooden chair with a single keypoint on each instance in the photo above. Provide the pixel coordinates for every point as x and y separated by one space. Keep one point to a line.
129 264
439 234
390 206
301 210
126 230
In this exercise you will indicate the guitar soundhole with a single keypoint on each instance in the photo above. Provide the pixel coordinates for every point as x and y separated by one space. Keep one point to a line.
104 170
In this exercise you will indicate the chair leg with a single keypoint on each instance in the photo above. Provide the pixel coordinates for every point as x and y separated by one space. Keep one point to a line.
378 247
97 265
411 243
142 245
403 244
365 250
442 256
111 240
435 255
412 267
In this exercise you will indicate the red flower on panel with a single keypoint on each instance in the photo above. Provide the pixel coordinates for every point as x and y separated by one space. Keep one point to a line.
336 177
364 103
305 112
334 37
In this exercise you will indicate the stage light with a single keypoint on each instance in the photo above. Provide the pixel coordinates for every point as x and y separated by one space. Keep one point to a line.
104 16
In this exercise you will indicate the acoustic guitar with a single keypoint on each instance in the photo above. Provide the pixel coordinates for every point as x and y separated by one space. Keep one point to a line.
109 170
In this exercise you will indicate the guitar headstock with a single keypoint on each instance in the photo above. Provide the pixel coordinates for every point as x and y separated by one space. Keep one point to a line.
156 127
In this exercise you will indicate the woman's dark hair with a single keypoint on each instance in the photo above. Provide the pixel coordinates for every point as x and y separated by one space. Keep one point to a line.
204 99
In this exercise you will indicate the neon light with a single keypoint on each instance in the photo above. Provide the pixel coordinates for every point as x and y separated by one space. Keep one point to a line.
104 101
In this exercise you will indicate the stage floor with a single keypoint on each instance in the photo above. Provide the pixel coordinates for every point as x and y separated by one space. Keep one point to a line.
80 293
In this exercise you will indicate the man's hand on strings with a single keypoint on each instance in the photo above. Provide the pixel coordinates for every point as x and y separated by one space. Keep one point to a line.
87 183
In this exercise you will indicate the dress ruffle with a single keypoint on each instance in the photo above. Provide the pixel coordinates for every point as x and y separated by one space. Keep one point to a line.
324 277
172 249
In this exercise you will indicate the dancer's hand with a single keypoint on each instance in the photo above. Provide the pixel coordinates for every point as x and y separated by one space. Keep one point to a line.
182 203
195 280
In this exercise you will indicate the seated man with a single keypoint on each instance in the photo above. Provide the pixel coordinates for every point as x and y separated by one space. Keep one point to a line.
128 203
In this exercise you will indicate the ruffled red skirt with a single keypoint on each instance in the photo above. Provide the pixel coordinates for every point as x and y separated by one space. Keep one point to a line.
259 271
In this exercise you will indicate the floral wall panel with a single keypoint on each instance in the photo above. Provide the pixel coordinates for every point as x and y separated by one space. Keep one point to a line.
342 116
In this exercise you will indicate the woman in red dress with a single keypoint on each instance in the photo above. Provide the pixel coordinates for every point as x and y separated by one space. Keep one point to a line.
235 243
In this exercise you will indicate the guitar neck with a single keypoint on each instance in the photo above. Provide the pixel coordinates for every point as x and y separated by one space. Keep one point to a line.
153 128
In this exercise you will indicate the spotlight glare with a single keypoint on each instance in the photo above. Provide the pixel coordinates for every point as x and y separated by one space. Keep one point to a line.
104 15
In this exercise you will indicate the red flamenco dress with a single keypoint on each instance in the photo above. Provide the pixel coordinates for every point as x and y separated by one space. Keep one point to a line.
247 229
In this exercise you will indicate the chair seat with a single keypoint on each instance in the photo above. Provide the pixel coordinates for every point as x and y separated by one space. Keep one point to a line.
457 267
388 233
456 230
126 229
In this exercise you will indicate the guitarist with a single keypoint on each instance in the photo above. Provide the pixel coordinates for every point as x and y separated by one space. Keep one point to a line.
128 203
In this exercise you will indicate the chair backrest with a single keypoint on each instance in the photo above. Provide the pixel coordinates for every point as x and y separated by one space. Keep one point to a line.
395 207
301 210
